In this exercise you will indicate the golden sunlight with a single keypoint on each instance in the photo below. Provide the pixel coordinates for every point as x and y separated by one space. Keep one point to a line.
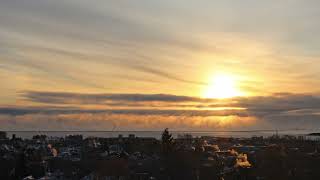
222 86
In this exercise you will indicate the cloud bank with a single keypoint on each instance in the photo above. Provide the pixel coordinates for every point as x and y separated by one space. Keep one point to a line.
78 111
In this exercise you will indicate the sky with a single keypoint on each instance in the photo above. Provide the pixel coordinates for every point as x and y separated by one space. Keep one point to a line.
147 65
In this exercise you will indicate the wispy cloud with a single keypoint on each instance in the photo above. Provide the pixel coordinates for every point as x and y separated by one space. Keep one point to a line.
166 75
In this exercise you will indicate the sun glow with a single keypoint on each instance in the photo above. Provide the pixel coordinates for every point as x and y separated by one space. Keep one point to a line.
222 86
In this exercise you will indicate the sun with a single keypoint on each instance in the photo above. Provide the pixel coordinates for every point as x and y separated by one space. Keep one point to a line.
222 86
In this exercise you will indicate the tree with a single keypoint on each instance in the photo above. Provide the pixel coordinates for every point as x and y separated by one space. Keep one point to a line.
167 142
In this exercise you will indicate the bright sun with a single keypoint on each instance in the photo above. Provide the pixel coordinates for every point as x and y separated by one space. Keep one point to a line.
222 86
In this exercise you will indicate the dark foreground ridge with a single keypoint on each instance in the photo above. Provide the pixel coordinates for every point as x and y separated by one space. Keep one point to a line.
147 158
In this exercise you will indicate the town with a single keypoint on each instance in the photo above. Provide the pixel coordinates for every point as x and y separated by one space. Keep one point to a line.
170 158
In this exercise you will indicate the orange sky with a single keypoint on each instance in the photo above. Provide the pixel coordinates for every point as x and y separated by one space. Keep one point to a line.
211 49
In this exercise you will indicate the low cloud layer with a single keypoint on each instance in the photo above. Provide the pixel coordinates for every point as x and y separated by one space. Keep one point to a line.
70 111
80 98
279 102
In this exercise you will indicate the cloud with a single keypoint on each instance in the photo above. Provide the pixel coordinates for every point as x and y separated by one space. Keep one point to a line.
79 44
278 102
163 47
105 121
141 112
166 75
81 98
70 111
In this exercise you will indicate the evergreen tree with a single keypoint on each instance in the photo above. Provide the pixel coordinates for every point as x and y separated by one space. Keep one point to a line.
167 141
